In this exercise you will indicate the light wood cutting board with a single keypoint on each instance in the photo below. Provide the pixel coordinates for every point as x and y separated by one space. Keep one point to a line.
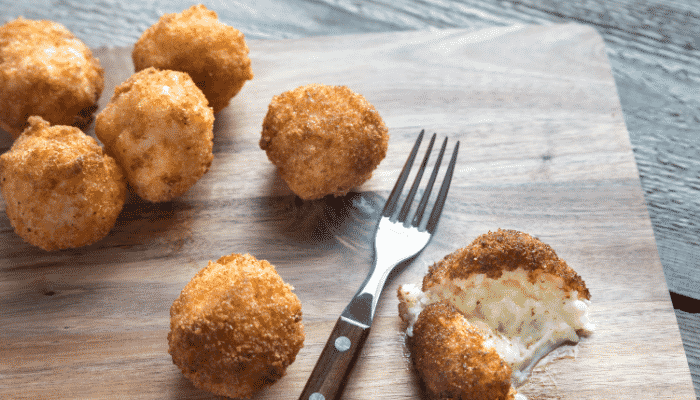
544 150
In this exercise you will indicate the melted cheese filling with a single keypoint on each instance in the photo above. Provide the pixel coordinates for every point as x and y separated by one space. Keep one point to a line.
523 321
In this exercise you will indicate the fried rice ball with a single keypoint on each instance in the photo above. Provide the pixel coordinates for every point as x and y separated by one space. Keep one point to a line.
518 298
194 41
61 191
323 139
46 71
235 327
159 128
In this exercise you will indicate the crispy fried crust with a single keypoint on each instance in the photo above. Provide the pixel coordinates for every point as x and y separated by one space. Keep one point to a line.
449 356
494 252
323 139
235 327
194 41
46 71
61 190
159 129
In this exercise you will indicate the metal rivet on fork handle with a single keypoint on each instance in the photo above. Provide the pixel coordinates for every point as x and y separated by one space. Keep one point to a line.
342 343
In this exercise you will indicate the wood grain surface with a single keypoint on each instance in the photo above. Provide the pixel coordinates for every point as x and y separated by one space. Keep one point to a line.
653 47
545 151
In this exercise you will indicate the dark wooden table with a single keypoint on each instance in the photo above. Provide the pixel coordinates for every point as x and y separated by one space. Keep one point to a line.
653 47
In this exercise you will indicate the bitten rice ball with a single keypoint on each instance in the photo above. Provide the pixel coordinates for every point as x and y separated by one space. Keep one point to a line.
48 72
60 189
159 129
507 297
323 139
235 327
194 41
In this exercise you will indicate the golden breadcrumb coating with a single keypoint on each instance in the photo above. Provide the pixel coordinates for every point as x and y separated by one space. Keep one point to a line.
60 189
452 360
46 71
194 41
159 129
235 327
505 250
323 139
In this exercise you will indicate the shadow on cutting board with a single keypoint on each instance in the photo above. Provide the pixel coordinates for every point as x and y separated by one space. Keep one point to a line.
685 303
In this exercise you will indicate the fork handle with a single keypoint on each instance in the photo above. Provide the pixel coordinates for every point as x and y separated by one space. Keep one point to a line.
333 367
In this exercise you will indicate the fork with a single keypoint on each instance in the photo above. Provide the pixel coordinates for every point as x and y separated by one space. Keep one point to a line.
396 240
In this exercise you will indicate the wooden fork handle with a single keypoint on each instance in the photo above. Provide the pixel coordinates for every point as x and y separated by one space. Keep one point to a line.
333 367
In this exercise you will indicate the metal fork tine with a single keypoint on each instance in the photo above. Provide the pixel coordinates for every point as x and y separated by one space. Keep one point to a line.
442 195
393 199
418 217
414 188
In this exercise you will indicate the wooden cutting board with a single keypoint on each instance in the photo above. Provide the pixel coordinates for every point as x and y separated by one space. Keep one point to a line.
544 150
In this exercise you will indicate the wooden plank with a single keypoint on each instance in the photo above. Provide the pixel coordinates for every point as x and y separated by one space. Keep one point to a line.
545 151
